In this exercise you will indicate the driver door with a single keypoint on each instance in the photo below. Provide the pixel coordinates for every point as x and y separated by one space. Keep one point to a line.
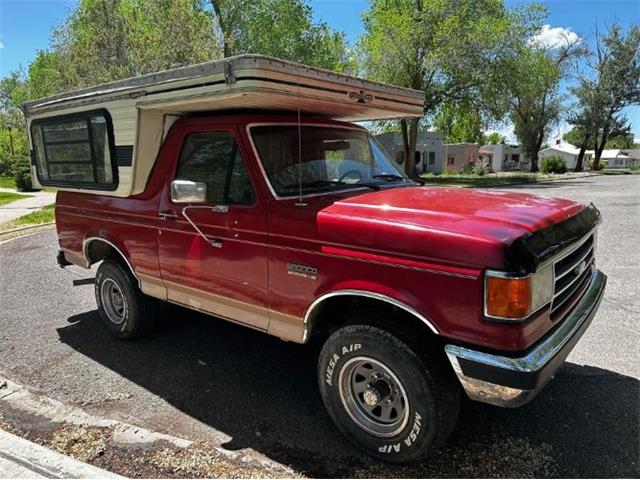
213 255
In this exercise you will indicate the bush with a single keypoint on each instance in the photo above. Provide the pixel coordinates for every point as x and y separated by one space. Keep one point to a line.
601 164
476 168
553 164
480 169
22 174
467 169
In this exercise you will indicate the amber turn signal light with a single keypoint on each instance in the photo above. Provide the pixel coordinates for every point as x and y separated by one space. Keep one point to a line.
508 297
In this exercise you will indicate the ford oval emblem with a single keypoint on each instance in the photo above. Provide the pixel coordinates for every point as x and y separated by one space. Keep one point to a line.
580 268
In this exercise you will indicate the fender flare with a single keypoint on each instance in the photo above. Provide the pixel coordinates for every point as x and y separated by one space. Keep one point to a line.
368 294
87 241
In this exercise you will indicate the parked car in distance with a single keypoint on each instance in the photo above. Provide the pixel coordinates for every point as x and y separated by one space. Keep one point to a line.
298 224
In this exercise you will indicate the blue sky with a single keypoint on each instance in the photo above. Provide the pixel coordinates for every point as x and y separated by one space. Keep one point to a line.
25 25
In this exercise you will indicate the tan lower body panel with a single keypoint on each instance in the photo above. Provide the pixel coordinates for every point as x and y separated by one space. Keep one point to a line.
75 258
152 286
287 327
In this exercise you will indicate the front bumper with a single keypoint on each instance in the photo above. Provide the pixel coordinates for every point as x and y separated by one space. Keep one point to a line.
514 381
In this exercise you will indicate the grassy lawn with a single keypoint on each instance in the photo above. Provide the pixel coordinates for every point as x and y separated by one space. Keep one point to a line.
44 215
621 171
489 180
493 179
8 197
7 182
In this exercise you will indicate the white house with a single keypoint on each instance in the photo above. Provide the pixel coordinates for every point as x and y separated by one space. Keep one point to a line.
616 158
503 157
429 149
567 152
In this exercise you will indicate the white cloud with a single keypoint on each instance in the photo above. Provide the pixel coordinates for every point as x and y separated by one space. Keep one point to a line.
555 37
1 45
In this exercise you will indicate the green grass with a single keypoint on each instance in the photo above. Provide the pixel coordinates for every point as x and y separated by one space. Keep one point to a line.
44 215
482 181
621 171
8 197
7 182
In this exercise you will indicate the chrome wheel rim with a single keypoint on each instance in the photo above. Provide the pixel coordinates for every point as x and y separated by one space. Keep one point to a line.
115 305
373 396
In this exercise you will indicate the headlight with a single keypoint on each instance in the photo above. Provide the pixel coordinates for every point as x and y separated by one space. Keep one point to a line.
514 298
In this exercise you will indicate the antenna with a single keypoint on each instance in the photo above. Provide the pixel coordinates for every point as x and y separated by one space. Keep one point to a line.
300 202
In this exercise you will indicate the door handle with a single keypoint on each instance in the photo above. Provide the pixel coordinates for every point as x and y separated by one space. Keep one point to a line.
164 215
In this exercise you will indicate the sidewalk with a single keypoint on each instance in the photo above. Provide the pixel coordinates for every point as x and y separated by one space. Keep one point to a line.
20 458
17 209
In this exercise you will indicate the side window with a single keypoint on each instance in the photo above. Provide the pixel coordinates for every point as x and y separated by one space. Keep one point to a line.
214 158
75 150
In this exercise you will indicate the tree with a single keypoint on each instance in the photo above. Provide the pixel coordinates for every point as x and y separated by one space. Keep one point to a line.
495 138
530 84
460 123
13 141
281 28
612 85
445 48
617 86
624 140
105 40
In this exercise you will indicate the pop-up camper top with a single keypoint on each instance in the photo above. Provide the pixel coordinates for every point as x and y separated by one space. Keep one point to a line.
105 139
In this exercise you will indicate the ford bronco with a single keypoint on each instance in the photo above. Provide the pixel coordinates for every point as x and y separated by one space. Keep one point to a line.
298 225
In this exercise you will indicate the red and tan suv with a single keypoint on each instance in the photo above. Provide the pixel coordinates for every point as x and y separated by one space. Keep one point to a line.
299 225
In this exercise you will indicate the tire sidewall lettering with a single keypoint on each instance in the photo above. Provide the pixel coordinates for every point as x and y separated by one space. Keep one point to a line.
409 436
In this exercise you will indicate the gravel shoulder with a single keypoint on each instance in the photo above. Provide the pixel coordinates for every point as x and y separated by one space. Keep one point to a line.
228 387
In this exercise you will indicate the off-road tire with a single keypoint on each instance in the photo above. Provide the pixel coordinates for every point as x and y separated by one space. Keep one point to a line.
137 308
432 394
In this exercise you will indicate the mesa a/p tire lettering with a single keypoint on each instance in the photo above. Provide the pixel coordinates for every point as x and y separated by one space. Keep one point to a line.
334 359
383 396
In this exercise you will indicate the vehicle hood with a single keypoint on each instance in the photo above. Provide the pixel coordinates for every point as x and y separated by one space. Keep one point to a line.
457 226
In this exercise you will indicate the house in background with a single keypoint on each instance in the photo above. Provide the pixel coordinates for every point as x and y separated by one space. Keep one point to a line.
504 158
616 158
457 155
429 150
566 151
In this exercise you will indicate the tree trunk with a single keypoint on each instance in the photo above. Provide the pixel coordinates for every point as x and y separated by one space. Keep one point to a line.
599 148
10 142
413 138
226 50
536 148
409 137
583 148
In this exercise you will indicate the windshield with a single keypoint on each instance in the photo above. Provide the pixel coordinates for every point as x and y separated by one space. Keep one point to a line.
333 158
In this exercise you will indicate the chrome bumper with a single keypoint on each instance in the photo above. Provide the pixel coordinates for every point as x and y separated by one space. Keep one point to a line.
513 381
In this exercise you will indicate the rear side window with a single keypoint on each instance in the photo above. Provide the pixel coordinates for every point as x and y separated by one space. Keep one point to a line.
214 158
75 151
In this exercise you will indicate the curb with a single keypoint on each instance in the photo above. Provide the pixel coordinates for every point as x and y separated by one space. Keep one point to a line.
18 399
25 459
12 233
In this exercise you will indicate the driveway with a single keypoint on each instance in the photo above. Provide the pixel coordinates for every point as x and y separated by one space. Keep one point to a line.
203 378
17 209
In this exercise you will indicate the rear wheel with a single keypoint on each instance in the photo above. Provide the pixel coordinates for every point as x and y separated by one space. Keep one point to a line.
390 401
123 308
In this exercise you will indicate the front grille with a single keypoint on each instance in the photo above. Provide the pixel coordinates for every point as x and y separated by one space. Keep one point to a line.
571 270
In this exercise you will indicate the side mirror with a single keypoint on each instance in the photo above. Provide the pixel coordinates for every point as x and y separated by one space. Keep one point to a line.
186 191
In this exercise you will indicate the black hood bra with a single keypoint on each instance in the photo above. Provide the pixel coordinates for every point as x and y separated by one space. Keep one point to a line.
528 252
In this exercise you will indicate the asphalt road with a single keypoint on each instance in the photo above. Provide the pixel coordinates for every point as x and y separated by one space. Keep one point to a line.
204 378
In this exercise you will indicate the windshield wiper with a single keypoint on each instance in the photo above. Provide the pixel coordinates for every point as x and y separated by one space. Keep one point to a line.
391 177
330 183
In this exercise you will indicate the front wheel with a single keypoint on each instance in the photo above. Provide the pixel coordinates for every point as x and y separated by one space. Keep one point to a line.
391 402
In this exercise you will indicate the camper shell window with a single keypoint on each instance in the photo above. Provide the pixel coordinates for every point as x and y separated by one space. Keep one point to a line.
75 151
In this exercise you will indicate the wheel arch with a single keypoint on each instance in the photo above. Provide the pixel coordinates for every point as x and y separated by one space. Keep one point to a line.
97 248
314 319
